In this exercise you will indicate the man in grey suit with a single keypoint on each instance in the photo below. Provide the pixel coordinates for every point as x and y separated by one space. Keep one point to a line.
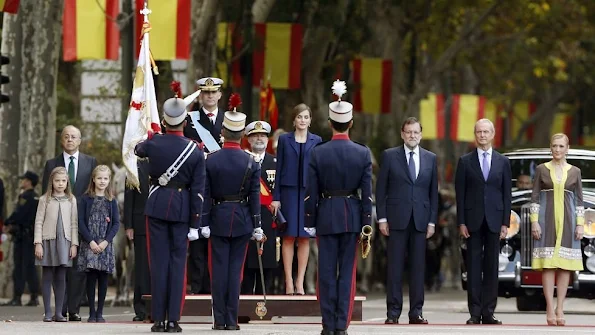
80 167
407 210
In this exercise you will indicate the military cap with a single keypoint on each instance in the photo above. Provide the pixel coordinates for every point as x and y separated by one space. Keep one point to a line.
340 111
234 120
32 176
209 84
258 127
174 111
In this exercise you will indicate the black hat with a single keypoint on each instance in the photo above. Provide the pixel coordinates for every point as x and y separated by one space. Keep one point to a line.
32 176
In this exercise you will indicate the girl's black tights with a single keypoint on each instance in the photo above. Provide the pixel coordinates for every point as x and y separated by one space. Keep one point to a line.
53 276
99 277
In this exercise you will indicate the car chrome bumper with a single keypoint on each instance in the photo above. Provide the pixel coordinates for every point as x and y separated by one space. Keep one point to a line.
586 278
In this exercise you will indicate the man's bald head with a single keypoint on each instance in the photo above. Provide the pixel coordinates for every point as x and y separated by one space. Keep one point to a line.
70 139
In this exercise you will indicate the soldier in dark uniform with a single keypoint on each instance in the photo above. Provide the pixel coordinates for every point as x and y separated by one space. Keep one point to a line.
231 218
206 116
257 133
135 223
338 204
20 225
174 204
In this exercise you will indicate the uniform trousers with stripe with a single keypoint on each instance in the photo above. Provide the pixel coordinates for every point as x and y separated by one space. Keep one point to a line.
167 244
227 256
337 264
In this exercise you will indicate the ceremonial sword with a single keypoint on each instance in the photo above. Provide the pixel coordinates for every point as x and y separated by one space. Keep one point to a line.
261 309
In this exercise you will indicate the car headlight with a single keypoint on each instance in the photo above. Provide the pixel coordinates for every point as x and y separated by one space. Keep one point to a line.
506 251
591 264
589 250
515 224
589 229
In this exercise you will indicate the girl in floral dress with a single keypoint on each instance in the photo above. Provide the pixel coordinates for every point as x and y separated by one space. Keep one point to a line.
99 221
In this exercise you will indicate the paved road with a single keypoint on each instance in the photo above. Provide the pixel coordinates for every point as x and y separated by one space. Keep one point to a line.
446 312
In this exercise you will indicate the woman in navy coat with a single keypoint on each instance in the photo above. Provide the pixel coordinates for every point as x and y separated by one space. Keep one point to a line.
293 157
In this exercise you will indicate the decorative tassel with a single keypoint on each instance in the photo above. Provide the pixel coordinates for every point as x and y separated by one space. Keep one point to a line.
234 101
176 87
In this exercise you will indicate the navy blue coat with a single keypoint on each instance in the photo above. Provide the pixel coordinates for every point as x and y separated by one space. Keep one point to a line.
174 204
288 162
398 197
478 199
85 203
226 170
339 164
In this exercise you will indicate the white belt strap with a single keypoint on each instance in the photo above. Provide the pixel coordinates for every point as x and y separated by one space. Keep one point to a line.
173 169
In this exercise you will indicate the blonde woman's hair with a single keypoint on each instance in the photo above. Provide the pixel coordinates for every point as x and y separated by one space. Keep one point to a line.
558 136
50 188
109 193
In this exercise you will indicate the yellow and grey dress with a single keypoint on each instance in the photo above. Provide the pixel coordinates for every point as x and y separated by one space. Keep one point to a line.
557 205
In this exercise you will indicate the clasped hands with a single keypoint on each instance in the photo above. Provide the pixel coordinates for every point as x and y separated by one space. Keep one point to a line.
98 248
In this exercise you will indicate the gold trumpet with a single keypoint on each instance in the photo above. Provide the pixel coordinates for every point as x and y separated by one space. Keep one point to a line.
366 240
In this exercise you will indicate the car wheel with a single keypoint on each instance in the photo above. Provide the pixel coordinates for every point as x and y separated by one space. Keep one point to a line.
530 304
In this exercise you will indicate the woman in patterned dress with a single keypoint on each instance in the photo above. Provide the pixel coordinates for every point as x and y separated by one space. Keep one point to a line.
557 219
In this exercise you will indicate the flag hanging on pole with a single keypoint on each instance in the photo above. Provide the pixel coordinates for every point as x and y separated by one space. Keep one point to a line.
9 6
269 111
142 114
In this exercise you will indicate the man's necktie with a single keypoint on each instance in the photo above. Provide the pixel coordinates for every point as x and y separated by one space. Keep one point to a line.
71 172
210 115
411 166
485 167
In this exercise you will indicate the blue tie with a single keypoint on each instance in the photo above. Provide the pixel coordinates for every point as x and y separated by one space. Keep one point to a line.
411 166
485 166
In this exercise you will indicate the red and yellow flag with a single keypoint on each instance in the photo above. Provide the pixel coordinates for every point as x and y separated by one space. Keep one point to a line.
372 78
9 6
431 116
278 54
269 111
88 31
520 113
230 42
562 123
170 20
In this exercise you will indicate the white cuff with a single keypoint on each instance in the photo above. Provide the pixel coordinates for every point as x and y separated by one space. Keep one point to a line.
431 224
383 220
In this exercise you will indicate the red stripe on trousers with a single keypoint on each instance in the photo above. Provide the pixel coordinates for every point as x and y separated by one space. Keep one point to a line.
69 31
295 56
183 30
352 293
112 33
184 284
244 263
317 273
148 235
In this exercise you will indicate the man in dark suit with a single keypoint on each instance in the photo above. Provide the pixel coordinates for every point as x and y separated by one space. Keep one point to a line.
257 133
80 167
338 205
407 210
135 223
483 190
174 206
231 218
206 118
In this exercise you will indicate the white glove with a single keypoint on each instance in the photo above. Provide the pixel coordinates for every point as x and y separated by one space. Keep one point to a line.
205 231
193 234
310 231
257 234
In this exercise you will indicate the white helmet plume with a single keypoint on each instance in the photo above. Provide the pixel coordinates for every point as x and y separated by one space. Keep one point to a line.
339 88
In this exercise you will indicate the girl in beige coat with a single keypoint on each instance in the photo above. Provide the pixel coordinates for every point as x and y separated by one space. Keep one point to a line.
56 239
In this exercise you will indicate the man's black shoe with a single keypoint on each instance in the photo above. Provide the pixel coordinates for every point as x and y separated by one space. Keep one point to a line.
236 327
340 332
138 318
74 317
173 327
490 320
418 320
158 327
474 320
33 302
13 302
219 327
391 321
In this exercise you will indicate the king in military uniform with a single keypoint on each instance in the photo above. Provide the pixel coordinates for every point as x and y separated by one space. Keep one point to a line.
231 217
173 208
338 205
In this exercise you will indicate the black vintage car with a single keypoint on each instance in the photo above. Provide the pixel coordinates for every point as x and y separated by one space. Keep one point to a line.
515 277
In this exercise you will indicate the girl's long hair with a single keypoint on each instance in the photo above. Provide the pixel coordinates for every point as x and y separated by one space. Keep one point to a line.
50 188
109 193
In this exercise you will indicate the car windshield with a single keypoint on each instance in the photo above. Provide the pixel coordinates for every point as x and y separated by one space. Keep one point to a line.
523 170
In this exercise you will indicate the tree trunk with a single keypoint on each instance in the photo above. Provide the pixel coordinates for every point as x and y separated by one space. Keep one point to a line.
203 49
261 10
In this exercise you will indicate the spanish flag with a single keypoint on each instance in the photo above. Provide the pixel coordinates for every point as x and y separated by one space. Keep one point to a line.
229 42
170 20
9 6
269 111
277 54
520 113
431 116
372 78
88 30
562 123
466 110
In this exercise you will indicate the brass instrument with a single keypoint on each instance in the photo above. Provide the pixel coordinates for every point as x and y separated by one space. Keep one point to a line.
366 240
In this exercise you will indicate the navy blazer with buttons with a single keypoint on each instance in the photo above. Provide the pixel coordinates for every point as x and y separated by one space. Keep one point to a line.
288 158
85 203
398 197
478 199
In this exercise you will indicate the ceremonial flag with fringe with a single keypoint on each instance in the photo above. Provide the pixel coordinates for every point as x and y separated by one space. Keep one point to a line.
142 115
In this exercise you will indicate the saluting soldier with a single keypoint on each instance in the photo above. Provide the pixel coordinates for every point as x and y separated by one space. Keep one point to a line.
338 204
258 137
204 122
20 225
174 205
231 217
